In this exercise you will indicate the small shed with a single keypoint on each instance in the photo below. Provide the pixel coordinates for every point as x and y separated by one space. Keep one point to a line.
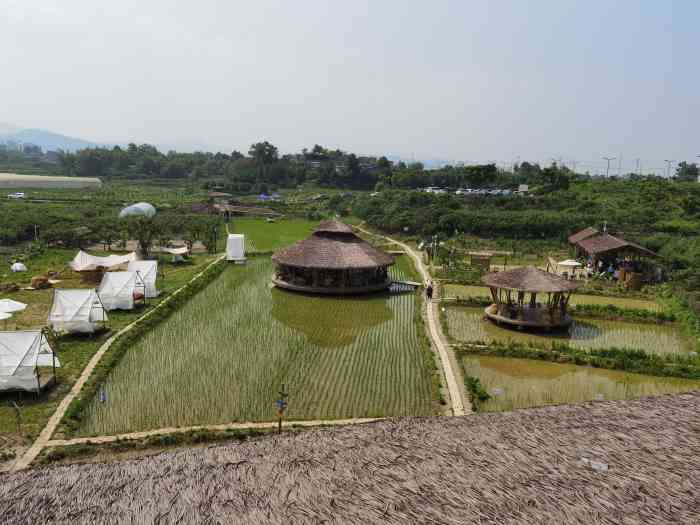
120 290
148 270
76 311
235 247
23 355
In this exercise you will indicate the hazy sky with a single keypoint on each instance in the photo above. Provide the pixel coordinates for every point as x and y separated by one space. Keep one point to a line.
451 79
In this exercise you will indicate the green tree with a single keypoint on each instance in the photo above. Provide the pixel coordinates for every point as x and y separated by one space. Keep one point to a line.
687 172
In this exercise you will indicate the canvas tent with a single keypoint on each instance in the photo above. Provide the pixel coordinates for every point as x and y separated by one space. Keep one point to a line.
181 250
148 270
18 267
76 311
235 247
22 353
10 306
117 290
84 262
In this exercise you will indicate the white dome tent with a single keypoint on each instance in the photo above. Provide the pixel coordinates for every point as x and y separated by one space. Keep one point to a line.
142 209
118 290
18 267
22 353
235 247
76 311
148 270
84 262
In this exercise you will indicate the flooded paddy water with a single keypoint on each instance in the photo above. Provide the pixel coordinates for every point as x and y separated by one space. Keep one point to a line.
521 383
466 323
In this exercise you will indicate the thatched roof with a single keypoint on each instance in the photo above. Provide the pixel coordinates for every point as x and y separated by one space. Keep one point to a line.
583 234
529 279
334 246
605 242
606 462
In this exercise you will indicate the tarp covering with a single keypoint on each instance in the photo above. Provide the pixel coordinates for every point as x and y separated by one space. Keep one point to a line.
182 250
140 208
235 247
76 311
18 267
117 290
83 261
148 270
20 353
9 306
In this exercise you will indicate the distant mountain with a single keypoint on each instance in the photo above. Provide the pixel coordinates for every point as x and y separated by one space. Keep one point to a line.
46 139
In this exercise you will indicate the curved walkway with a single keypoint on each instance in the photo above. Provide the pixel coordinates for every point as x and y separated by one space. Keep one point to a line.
460 405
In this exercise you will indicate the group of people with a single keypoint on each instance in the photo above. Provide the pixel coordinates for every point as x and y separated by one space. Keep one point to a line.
611 270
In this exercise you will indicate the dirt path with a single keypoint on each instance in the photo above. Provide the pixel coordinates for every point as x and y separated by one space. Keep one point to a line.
458 399
225 426
44 437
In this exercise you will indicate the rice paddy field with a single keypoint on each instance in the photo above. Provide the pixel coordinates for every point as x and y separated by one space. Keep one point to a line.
467 324
263 236
460 290
522 383
224 355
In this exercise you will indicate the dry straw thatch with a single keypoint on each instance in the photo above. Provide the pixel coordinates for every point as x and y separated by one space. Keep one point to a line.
529 279
610 462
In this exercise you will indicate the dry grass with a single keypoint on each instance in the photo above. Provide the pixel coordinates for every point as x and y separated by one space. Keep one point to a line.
611 462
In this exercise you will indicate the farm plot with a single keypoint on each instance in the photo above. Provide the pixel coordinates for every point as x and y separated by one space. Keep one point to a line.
225 354
467 324
263 236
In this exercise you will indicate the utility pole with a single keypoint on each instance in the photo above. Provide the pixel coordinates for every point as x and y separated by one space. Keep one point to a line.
639 167
607 169
668 167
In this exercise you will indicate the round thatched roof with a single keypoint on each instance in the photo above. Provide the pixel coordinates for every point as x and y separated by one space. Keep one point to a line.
529 279
332 246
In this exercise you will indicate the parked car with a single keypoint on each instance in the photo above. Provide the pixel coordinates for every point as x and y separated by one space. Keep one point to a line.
17 195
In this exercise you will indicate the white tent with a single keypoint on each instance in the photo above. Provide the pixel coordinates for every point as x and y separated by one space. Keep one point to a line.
76 311
9 306
21 355
148 270
235 247
84 261
18 267
182 250
143 209
117 290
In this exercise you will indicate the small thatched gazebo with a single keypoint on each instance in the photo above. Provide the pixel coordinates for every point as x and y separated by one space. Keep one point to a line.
332 260
512 306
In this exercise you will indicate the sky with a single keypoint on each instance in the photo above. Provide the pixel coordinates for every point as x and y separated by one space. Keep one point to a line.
458 80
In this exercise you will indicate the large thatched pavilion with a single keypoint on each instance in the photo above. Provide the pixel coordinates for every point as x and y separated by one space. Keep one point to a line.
515 296
332 260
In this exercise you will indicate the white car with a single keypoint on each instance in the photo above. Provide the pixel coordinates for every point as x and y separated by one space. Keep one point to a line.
18 195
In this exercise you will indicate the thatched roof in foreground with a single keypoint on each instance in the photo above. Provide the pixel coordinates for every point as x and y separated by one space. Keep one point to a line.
334 246
529 279
527 467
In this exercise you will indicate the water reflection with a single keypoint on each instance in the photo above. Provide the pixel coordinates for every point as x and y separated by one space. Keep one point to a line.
468 324
521 383
330 321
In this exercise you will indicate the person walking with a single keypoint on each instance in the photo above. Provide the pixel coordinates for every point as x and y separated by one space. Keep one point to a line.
429 291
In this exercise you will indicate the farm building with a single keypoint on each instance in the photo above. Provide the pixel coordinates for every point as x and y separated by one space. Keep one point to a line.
148 270
510 307
119 290
13 180
591 242
333 260
22 354
76 311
